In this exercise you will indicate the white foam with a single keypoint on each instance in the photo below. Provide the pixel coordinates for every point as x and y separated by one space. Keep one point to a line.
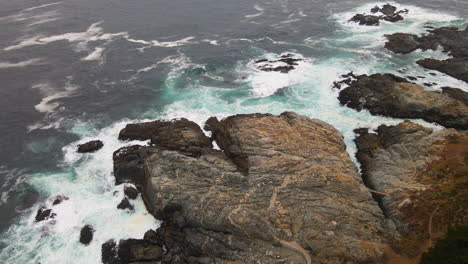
259 13
4 65
96 55
42 6
47 104
165 44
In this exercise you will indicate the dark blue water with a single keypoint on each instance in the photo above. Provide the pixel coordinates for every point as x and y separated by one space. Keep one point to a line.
77 70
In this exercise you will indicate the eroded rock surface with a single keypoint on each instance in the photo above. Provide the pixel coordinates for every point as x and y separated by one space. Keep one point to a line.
393 96
283 191
452 40
420 177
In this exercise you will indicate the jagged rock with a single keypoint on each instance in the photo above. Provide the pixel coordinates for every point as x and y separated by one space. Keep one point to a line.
129 164
457 68
125 204
420 177
59 199
389 95
389 13
90 146
366 20
152 237
283 191
402 43
284 64
109 253
181 134
44 214
131 192
452 40
130 251
86 234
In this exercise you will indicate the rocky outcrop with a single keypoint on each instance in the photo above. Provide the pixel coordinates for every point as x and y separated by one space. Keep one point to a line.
90 146
387 12
284 64
44 213
457 94
125 204
389 95
86 234
131 251
283 190
452 40
181 135
420 179
130 192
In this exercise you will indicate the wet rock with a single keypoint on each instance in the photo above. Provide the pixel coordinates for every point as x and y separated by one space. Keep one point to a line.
129 164
401 43
452 40
152 237
393 96
109 253
131 192
366 20
125 204
181 134
411 78
282 184
90 146
284 64
457 68
420 180
136 250
59 199
44 214
86 234
389 13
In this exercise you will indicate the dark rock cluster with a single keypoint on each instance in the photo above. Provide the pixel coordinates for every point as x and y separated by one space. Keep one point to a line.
387 12
284 64
393 96
90 146
452 40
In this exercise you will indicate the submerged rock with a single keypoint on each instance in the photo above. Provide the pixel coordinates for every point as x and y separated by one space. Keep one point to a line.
90 146
283 191
452 40
44 214
393 96
59 199
284 64
86 234
131 192
389 13
420 179
125 204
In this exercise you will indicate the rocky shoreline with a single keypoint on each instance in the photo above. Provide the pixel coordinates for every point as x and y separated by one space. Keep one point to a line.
283 189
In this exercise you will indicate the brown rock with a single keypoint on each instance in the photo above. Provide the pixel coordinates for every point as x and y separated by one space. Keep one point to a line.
420 179
284 190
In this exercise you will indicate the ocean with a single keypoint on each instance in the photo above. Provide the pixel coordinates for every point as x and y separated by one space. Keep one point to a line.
74 71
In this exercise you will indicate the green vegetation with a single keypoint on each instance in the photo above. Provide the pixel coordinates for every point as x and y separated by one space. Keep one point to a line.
451 249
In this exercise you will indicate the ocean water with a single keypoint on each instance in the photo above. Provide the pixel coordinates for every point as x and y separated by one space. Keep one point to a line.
74 71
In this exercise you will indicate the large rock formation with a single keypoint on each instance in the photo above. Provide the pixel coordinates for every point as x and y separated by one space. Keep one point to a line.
420 178
452 41
284 190
389 95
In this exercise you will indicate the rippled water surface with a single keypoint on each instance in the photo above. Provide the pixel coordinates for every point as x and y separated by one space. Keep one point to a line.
72 71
